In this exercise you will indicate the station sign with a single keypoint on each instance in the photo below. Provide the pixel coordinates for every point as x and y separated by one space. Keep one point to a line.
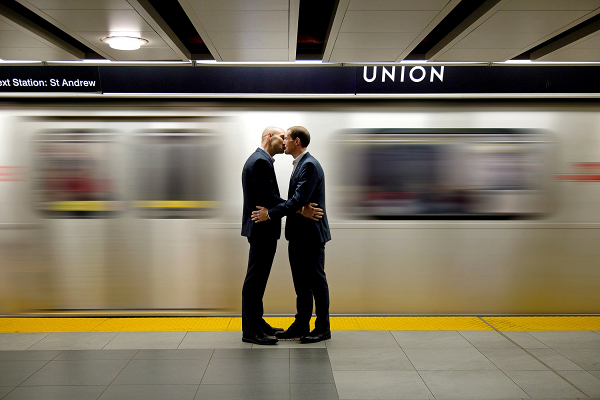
50 79
303 80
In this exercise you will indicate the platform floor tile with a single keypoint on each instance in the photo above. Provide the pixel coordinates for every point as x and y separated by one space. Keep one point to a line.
213 340
13 373
369 359
318 391
431 339
554 360
262 391
22 355
565 339
472 384
146 340
69 373
170 354
55 392
543 384
380 385
487 339
74 341
449 359
524 339
242 371
585 358
19 341
83 355
149 392
361 339
585 381
162 372
310 370
512 359
4 390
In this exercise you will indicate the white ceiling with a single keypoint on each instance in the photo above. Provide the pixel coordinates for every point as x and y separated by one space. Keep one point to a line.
266 30
515 26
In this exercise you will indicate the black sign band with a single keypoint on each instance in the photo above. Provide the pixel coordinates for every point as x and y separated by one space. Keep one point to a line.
290 80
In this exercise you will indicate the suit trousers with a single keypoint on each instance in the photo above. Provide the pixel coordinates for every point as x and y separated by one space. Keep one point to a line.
307 260
260 260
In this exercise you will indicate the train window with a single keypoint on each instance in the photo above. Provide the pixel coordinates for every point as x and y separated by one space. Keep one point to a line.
72 178
175 174
444 173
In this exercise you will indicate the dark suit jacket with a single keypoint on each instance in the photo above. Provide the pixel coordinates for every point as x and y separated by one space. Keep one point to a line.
307 185
260 189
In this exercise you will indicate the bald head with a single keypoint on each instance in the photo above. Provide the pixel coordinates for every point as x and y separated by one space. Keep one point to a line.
272 140
273 130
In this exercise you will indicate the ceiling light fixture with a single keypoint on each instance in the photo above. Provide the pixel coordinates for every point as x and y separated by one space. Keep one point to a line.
124 42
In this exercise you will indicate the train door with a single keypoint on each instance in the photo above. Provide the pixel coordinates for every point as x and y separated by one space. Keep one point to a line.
174 194
75 192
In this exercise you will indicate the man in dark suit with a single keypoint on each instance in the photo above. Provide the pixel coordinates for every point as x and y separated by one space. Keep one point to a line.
260 187
306 238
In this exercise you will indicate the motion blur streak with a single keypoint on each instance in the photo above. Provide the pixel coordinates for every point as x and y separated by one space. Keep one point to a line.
109 207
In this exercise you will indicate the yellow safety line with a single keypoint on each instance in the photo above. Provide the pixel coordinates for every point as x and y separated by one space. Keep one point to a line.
120 324
554 323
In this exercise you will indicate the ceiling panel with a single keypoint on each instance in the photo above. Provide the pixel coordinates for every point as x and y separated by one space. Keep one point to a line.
382 28
386 21
17 38
143 54
238 30
257 40
591 42
81 4
18 43
37 54
476 54
109 18
406 5
377 40
243 5
575 54
552 5
518 25
247 54
245 21
587 49
100 20
364 55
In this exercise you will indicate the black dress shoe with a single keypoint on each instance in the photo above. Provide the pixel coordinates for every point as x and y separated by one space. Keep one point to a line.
259 338
293 332
314 337
270 331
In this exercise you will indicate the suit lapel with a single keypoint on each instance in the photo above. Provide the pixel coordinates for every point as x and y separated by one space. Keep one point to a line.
296 175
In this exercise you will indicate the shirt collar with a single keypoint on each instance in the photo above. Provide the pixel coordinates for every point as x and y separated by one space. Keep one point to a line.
267 153
297 159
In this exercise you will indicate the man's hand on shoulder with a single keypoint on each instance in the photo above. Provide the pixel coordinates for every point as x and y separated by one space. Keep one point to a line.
312 212
262 214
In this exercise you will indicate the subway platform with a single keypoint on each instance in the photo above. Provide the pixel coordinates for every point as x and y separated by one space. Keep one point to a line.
366 358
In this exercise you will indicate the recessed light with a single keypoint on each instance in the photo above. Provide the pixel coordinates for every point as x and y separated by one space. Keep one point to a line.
124 42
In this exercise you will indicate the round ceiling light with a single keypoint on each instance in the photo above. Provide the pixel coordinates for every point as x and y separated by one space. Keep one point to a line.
124 42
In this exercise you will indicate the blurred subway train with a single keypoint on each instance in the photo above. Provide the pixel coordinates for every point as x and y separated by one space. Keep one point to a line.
436 207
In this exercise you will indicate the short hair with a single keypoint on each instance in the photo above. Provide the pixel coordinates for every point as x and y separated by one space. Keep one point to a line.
302 133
